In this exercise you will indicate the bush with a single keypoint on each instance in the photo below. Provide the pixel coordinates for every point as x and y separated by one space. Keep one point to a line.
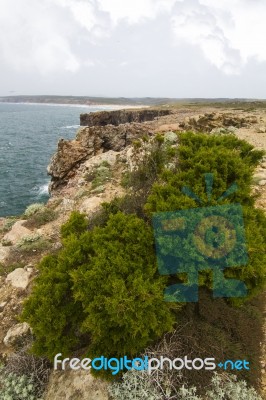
135 385
40 217
36 369
9 222
230 161
119 289
76 225
33 243
33 208
51 310
140 385
103 284
15 387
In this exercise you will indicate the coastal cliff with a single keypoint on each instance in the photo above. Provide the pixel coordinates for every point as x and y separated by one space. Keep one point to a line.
86 172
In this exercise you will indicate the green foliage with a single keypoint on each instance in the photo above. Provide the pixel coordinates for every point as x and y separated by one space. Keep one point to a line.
104 284
76 225
119 290
33 208
51 309
6 269
100 175
33 243
40 216
9 222
230 160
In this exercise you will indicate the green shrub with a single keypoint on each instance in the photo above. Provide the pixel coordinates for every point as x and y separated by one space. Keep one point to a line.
33 208
104 284
33 243
9 222
230 160
35 369
40 217
119 289
15 387
51 310
76 225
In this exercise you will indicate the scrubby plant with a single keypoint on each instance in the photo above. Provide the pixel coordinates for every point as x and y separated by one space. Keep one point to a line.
226 387
9 222
37 369
140 385
76 225
15 387
135 385
51 310
32 209
40 217
33 243
102 284
122 295
6 242
231 161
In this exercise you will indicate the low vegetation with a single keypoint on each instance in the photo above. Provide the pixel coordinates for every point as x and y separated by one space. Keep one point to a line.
103 292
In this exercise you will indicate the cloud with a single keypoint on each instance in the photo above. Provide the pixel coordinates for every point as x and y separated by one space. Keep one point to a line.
46 36
229 33
51 36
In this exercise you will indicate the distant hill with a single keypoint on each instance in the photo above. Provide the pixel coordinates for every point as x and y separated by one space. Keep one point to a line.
135 101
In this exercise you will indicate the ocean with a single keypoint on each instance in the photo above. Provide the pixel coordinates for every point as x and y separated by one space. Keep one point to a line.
28 138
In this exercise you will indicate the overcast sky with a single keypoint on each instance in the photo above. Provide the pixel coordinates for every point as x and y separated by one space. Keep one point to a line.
133 48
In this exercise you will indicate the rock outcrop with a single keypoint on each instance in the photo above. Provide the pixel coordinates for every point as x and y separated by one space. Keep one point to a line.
20 277
17 335
89 142
209 121
103 118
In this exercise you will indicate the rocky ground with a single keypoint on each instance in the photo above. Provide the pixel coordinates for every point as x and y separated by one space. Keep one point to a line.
86 172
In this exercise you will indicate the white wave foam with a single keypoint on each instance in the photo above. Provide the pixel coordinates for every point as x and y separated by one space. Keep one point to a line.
70 127
40 190
43 189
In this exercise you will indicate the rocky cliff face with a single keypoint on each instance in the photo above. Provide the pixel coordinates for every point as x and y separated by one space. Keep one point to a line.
89 142
115 130
119 117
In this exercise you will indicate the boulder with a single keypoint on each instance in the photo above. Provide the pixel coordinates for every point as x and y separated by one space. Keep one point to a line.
17 232
19 278
17 335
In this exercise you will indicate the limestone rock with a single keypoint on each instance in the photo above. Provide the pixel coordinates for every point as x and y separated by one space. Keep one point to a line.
119 117
89 142
19 278
75 385
2 305
213 121
17 232
4 253
17 335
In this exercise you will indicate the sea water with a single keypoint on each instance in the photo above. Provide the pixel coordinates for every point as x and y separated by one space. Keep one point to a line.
28 138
